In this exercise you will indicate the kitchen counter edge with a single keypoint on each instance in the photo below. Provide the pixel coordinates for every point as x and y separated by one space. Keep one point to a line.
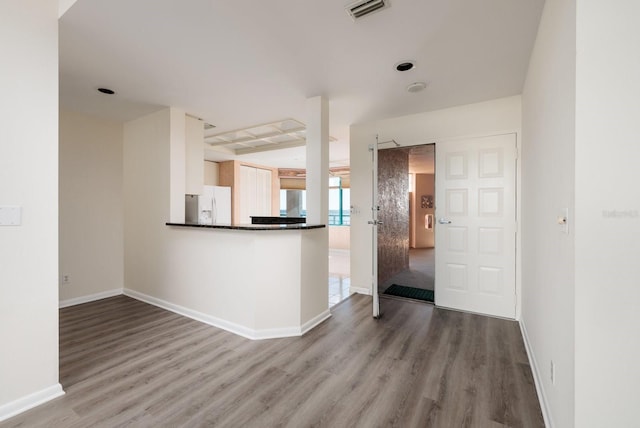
299 226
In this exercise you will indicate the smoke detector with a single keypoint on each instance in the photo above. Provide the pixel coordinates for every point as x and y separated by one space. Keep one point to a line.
416 87
363 8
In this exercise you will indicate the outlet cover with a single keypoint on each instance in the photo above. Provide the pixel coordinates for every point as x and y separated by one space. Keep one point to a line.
10 215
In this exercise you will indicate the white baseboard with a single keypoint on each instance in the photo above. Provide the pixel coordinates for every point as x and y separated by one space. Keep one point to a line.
272 333
90 298
544 405
315 321
360 290
30 401
339 251
276 333
240 330
190 313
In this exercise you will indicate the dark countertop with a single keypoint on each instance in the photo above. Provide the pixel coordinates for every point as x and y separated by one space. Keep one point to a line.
298 226
277 220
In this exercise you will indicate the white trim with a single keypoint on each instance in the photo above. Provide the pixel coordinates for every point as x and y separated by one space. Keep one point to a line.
190 313
544 405
30 401
276 333
339 251
315 321
434 140
273 333
360 290
240 330
90 298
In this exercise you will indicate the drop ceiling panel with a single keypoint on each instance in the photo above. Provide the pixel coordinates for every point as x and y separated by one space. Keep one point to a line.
283 134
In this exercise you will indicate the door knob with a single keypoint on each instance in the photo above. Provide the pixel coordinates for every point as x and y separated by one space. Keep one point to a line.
444 221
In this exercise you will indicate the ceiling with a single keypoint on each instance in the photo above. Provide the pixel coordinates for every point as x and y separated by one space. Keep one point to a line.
241 63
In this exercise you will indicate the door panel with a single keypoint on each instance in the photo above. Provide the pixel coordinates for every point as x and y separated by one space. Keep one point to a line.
475 231
373 149
393 200
457 202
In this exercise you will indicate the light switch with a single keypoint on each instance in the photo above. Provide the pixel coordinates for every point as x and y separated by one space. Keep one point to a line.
10 216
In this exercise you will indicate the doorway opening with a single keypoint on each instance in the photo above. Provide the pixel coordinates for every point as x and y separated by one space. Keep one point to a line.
406 234
293 203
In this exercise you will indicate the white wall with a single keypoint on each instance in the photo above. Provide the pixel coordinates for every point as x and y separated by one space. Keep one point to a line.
177 136
339 237
64 5
607 245
194 155
211 170
29 178
487 118
91 234
548 132
146 195
317 160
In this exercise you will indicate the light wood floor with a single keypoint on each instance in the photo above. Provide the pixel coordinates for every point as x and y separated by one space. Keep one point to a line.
126 363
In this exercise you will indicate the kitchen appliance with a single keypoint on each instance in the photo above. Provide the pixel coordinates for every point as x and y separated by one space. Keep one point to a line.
191 209
214 205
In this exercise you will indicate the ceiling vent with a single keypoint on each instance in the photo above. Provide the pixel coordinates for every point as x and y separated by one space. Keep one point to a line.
363 8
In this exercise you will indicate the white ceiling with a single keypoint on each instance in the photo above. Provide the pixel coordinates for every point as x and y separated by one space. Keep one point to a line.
240 63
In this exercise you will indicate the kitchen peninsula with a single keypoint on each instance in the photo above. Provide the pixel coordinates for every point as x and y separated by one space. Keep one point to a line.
256 280
256 226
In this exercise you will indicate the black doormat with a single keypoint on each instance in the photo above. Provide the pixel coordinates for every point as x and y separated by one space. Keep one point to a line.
410 292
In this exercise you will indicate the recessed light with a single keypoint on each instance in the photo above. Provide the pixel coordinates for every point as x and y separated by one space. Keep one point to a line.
416 87
106 91
405 65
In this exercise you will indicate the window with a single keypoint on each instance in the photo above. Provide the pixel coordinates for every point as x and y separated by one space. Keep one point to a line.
293 203
339 203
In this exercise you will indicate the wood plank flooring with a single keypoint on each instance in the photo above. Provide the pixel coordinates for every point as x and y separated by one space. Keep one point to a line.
126 363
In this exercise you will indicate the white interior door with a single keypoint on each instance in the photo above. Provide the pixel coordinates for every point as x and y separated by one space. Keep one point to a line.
476 225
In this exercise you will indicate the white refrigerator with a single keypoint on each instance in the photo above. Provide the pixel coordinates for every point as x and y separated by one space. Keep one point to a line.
214 205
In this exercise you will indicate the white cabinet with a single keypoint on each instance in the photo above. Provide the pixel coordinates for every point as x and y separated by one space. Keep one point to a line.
254 189
263 192
254 192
